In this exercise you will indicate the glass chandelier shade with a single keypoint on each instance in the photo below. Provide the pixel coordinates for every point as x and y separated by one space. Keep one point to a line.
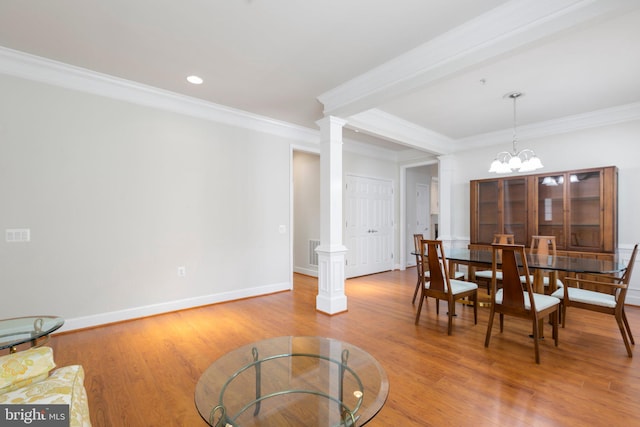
515 161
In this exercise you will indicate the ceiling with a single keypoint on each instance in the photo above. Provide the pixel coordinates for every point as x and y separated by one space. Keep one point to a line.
422 74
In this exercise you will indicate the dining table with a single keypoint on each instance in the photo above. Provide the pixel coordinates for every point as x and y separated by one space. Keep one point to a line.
538 264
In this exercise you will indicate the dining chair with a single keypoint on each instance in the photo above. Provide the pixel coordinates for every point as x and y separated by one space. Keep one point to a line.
512 300
420 266
485 276
441 286
544 247
606 294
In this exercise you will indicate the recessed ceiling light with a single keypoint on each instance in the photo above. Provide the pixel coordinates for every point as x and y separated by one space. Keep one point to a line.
195 80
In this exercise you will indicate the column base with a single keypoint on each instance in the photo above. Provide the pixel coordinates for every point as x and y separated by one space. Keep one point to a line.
331 305
331 298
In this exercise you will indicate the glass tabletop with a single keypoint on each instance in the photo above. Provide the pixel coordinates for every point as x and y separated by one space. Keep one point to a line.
310 381
546 262
20 330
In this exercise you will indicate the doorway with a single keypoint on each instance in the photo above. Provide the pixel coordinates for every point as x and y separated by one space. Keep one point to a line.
369 225
305 215
421 215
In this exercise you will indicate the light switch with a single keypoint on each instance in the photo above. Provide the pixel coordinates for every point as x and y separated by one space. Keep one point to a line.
182 271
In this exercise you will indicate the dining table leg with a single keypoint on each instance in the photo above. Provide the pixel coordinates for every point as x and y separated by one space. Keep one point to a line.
553 285
553 281
538 287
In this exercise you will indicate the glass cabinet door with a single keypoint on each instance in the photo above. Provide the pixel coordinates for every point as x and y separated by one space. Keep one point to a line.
551 209
585 223
515 209
487 211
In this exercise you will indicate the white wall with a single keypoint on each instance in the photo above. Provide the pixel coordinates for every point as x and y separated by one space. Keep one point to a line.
615 145
117 196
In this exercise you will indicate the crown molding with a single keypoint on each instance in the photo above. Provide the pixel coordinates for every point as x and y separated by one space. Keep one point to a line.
505 28
388 126
574 123
373 121
43 70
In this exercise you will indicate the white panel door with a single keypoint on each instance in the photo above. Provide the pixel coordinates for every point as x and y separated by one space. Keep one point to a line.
422 210
368 226
422 221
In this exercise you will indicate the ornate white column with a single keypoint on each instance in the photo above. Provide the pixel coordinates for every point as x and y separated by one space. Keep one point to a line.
331 253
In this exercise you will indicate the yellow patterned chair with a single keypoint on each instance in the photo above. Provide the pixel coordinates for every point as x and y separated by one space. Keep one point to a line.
30 377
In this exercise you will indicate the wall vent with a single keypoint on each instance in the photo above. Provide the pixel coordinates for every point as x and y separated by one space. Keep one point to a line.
313 256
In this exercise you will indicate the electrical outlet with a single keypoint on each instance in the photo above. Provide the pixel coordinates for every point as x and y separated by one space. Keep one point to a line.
16 235
182 271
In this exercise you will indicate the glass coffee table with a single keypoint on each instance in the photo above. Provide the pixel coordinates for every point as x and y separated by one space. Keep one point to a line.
34 330
310 381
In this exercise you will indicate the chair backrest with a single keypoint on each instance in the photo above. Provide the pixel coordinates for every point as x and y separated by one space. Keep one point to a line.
512 294
625 279
417 240
417 243
438 274
503 239
543 245
626 276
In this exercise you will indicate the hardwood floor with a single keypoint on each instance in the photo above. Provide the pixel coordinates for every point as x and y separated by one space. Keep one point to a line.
144 372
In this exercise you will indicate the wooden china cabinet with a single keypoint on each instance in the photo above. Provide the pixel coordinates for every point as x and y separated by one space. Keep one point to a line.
578 207
499 206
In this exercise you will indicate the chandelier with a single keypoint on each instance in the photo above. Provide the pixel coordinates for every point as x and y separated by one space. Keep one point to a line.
516 161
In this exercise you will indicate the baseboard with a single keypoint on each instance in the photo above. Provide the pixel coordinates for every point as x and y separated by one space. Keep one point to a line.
632 300
313 272
169 306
